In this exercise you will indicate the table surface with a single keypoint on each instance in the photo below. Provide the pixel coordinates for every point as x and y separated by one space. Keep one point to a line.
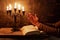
7 31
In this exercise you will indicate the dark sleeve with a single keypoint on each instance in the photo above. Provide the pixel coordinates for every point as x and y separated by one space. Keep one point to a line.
47 28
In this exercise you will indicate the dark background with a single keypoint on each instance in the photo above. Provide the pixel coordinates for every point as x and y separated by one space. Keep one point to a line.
46 10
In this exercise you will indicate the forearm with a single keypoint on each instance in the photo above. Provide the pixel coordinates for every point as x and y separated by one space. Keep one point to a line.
46 28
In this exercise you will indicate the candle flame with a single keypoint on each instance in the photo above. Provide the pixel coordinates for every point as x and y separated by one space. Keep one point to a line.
15 5
10 7
23 8
7 8
19 6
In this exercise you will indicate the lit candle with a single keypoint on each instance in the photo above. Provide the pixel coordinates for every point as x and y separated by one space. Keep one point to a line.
22 8
7 10
10 9
15 5
23 11
19 8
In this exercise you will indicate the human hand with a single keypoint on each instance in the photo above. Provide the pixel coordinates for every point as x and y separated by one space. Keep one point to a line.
32 18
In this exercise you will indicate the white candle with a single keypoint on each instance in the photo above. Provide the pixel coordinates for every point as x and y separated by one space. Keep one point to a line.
10 7
23 9
19 7
15 5
7 8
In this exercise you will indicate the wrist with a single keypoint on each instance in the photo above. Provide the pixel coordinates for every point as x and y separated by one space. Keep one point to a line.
37 24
